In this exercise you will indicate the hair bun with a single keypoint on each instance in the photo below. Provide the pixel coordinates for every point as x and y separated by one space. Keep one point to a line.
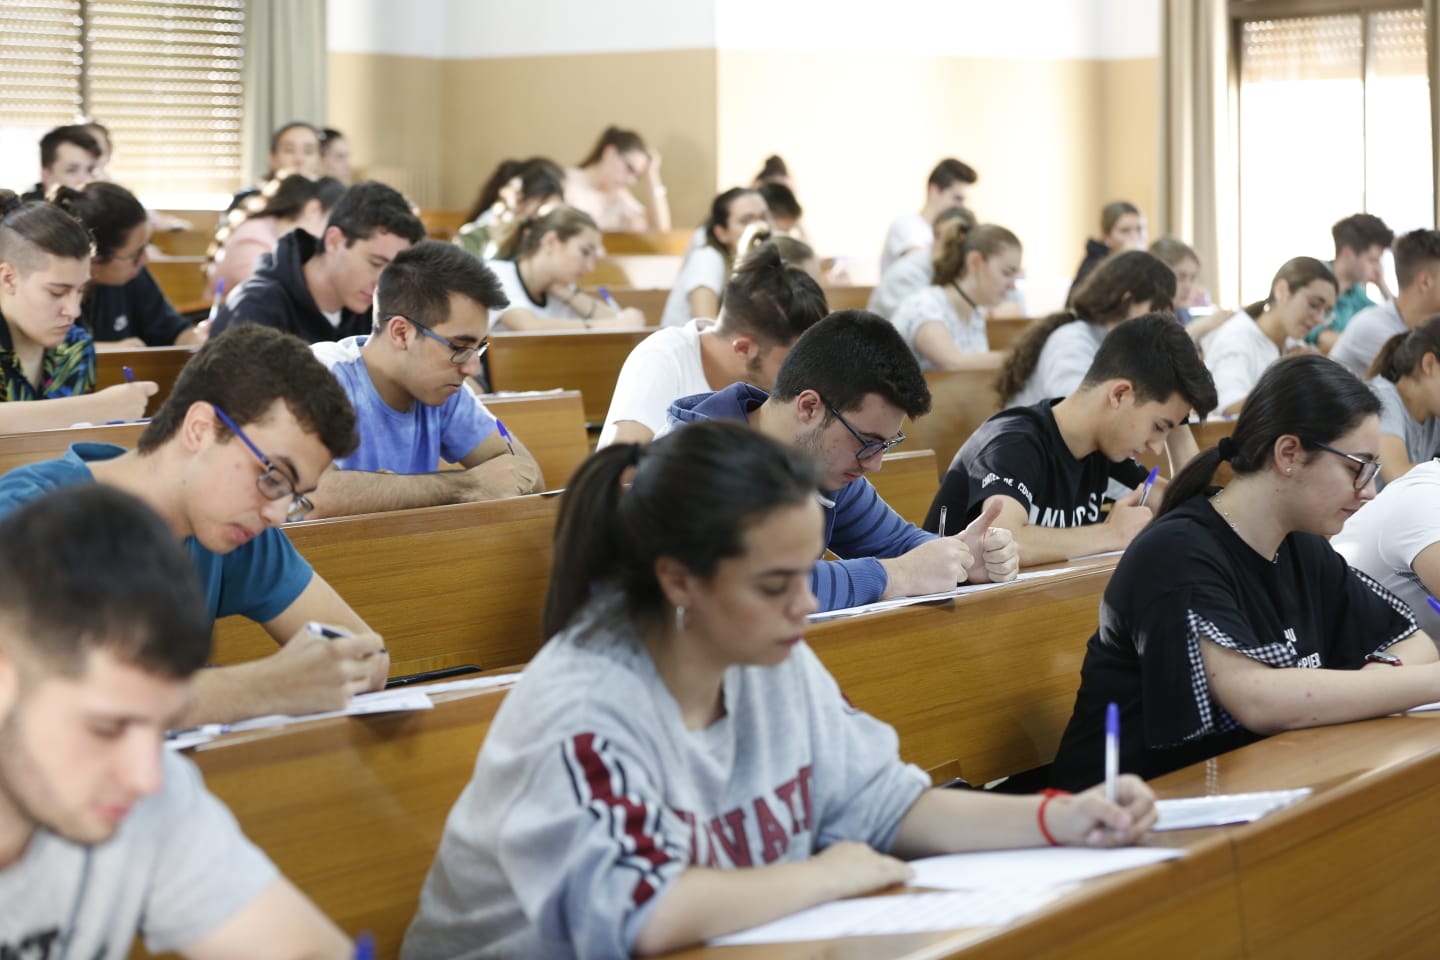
9 202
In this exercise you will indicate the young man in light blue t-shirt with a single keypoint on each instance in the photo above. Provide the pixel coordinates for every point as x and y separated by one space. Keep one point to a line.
413 405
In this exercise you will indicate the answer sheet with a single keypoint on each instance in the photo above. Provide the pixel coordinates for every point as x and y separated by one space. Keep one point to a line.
959 591
907 913
1188 813
1031 868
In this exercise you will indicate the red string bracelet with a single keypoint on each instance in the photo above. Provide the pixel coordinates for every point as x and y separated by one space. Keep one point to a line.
1046 797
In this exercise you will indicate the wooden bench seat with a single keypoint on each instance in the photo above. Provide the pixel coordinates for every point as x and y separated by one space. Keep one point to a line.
584 360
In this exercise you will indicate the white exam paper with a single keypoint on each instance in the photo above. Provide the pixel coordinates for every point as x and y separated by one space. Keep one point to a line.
1033 868
908 913
1188 813
960 591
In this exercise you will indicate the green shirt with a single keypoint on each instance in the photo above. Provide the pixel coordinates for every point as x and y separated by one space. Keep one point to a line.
1349 303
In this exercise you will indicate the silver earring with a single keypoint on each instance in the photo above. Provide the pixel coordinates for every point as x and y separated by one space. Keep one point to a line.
679 619
1289 470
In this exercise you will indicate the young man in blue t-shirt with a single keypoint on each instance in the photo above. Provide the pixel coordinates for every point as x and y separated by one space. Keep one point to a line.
233 452
407 380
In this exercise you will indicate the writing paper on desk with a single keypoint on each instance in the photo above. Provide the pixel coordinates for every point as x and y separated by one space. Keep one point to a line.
1191 812
381 701
960 591
909 913
1033 868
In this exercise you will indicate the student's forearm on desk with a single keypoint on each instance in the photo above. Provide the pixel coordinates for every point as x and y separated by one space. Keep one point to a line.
1040 545
704 903
346 492
1268 700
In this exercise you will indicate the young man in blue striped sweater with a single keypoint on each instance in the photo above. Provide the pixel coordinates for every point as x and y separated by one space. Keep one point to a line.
842 395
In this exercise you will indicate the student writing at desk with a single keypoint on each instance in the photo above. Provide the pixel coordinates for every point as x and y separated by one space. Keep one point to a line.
253 421
676 764
103 832
1046 468
1230 617
47 361
842 395
407 381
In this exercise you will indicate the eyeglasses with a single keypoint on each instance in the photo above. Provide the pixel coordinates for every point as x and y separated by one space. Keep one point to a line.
1365 470
460 354
273 484
868 448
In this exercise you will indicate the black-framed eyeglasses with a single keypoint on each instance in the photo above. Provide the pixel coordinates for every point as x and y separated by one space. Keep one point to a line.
868 448
1365 468
272 483
460 353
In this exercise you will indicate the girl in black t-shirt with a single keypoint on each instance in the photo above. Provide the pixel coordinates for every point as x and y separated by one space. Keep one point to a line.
1230 618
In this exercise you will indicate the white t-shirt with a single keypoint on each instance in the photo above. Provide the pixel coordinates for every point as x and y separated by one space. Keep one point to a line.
1064 361
616 211
930 305
1388 533
175 871
704 266
906 231
662 368
508 273
1236 354
1365 334
1422 440
909 274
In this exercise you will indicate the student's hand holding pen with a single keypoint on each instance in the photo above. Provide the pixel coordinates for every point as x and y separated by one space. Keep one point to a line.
1088 819
315 671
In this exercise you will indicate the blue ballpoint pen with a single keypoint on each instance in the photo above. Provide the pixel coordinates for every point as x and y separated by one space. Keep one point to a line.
1112 750
129 374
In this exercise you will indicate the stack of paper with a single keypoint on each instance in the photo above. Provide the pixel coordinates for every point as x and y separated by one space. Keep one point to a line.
1191 812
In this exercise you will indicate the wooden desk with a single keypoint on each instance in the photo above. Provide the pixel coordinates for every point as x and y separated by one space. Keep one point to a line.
552 427
932 672
442 585
671 243
961 401
906 481
584 360
442 224
161 364
182 280
1004 332
847 297
18 449
650 302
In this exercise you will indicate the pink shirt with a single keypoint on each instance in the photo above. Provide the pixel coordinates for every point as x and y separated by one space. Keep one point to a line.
238 256
615 211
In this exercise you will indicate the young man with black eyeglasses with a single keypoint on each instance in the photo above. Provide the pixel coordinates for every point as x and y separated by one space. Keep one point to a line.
408 381
842 394
232 453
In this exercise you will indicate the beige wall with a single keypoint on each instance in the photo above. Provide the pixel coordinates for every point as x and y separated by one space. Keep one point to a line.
437 128
1053 139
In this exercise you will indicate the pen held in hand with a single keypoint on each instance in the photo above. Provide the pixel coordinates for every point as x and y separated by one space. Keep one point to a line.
1149 485
1112 751
943 511
129 374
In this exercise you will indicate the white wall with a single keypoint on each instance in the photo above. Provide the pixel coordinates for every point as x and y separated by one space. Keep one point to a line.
1012 29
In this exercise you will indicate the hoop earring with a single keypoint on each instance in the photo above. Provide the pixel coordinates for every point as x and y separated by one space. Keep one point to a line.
679 619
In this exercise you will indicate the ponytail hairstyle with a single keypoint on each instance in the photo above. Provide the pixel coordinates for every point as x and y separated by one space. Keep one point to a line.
795 253
1104 297
539 178
771 298
108 211
1306 396
720 216
955 241
1402 353
780 199
281 197
774 170
692 496
1297 272
561 220
32 232
624 141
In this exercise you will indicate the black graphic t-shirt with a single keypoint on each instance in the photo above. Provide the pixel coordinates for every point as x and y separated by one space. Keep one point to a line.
1189 577
1020 453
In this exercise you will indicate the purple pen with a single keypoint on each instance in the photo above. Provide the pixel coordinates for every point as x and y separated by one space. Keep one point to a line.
506 434
1112 750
